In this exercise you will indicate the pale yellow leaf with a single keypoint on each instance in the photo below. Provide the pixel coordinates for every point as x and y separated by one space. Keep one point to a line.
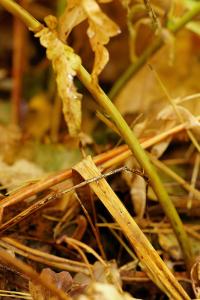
65 64
71 17
101 28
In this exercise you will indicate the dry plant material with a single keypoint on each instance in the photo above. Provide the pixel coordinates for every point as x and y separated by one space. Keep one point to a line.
62 280
194 179
104 291
142 14
65 64
101 29
154 266
41 257
105 160
195 277
20 266
138 188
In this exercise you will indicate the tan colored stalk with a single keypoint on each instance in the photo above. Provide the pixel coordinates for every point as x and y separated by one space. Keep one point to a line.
154 266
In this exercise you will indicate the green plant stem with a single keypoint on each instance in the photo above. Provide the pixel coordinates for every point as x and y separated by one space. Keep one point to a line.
128 136
22 14
174 27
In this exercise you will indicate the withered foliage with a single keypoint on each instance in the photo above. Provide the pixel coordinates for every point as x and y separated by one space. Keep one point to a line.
79 218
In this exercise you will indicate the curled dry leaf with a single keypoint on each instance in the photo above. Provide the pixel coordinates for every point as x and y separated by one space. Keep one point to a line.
169 119
101 29
168 113
65 64
62 280
102 274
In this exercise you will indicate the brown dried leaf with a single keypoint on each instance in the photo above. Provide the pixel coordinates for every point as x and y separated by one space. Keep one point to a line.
62 280
168 113
101 29
65 64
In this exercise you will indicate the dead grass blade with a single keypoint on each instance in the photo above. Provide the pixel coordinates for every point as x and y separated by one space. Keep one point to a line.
154 266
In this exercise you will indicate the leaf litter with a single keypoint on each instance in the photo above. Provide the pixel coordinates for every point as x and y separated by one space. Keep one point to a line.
79 218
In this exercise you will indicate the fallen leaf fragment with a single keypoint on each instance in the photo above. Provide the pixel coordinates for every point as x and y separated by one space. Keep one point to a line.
62 280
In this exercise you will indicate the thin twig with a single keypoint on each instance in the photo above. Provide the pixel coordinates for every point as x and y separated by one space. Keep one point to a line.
43 257
55 195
